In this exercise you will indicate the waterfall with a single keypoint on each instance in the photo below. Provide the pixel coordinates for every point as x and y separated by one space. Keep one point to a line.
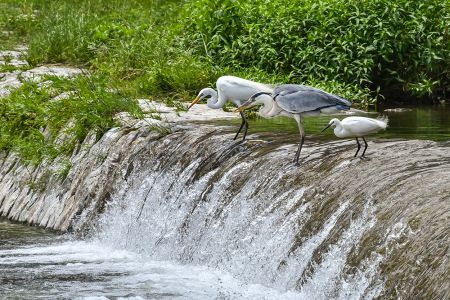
335 227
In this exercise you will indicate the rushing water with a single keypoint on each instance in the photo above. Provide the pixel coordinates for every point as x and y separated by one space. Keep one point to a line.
196 215
37 264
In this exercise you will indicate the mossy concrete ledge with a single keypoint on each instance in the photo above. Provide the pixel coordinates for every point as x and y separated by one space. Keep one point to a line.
57 194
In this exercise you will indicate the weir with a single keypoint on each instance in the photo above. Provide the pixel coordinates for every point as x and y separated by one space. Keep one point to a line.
335 227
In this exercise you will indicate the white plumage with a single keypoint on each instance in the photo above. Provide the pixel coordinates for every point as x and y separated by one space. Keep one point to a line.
234 89
357 127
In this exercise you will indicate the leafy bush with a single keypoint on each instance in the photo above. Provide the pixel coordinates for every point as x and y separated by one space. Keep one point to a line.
398 46
171 49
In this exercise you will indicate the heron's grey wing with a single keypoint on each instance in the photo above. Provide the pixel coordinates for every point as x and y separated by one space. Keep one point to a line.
301 98
286 89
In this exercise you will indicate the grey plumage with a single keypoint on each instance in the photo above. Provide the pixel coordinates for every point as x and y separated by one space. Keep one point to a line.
295 98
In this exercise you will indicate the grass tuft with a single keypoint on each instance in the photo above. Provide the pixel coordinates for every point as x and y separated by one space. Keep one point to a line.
36 126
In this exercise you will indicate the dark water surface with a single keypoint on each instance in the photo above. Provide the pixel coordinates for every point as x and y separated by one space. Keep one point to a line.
13 234
425 123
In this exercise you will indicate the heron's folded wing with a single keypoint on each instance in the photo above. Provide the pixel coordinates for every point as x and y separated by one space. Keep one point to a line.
305 101
297 98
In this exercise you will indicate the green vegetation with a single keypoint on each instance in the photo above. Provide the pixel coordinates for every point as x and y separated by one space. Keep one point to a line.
35 125
397 47
360 49
173 48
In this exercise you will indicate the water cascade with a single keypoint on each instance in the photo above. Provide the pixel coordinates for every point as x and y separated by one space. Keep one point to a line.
335 227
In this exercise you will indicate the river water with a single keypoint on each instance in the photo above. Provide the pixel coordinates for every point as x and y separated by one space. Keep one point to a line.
39 264
429 122
198 216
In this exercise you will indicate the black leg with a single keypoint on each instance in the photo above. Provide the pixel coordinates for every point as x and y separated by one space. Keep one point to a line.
242 125
297 155
359 147
365 148
302 139
245 126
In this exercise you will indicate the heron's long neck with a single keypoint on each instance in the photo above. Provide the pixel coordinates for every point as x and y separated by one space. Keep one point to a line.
268 108
216 100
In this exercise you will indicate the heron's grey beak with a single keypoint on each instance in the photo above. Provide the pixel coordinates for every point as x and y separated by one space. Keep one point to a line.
247 104
193 102
242 108
326 127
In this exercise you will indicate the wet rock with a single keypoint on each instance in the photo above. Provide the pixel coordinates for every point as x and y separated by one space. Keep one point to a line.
9 81
125 119
10 54
63 96
149 106
201 112
12 58
12 80
397 110
36 74
7 33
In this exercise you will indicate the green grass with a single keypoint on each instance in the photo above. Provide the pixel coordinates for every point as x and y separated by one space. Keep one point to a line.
171 49
36 126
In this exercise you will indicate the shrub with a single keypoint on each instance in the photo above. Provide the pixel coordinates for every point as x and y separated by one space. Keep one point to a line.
170 49
399 46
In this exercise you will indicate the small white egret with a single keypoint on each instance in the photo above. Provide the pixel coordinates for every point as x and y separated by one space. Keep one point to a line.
295 101
357 127
234 89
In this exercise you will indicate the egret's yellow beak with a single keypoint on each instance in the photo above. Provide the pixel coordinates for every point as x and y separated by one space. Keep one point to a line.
242 108
194 101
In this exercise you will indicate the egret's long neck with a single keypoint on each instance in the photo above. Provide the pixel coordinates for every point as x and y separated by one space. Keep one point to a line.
339 129
216 100
268 108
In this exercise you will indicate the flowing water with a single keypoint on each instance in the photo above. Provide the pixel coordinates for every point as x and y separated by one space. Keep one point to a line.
196 215
37 264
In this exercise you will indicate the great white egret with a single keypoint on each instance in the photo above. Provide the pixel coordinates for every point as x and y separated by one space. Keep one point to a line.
357 127
295 101
234 89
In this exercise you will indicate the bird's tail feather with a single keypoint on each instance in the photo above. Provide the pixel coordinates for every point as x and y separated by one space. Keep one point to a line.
384 119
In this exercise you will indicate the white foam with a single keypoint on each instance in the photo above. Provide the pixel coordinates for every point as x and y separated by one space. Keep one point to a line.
135 275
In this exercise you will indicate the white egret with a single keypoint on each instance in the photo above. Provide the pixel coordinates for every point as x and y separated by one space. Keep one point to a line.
295 101
234 89
357 127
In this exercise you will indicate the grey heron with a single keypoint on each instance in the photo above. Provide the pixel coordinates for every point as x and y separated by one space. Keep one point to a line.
234 89
295 101
357 127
